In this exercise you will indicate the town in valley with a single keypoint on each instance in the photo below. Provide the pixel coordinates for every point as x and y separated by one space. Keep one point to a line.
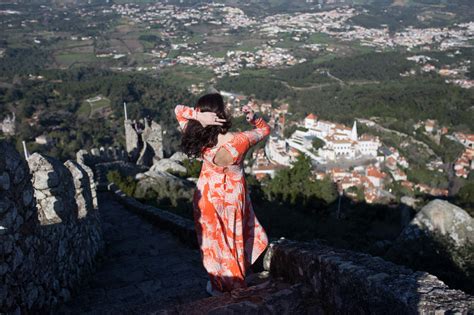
304 66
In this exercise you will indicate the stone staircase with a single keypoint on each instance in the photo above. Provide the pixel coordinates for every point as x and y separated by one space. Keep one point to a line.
146 270
142 269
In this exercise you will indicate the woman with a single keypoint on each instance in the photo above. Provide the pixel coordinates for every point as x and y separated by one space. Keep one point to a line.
229 235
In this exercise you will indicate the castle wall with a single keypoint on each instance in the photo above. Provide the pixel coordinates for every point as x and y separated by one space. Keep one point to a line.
50 230
347 282
132 142
144 144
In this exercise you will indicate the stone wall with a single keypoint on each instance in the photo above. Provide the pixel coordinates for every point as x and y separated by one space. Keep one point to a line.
347 282
144 141
50 230
101 155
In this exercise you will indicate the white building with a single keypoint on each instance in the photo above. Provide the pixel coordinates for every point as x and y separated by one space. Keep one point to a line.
276 151
466 140
338 148
368 145
310 121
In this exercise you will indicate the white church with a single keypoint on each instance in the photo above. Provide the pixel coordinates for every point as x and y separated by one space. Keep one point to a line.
340 141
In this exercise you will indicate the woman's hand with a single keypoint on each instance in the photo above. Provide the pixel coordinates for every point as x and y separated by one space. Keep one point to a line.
209 119
250 113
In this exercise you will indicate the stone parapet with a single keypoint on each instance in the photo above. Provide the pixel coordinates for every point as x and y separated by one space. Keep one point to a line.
348 282
50 231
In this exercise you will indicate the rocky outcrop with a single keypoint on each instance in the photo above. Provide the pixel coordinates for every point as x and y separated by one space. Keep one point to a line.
347 282
168 165
50 232
165 188
439 239
442 218
179 157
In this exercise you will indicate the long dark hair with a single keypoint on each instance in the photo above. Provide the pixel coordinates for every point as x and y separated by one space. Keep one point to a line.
196 137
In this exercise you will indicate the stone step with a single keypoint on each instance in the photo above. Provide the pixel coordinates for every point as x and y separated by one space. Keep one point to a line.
268 296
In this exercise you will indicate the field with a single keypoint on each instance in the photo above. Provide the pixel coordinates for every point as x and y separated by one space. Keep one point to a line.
95 105
183 75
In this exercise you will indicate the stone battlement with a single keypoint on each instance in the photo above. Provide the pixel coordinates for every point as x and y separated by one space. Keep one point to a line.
101 155
50 231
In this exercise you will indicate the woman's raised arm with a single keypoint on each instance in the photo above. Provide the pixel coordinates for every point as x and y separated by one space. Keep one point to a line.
261 130
183 114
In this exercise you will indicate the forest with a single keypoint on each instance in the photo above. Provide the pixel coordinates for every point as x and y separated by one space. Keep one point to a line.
55 102
371 86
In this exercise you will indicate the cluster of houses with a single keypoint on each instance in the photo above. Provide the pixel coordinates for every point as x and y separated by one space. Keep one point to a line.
445 38
371 179
297 27
356 164
340 140
162 13
337 142
301 25
454 73
235 60
465 163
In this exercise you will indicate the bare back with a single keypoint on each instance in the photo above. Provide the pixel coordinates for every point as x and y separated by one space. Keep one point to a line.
223 157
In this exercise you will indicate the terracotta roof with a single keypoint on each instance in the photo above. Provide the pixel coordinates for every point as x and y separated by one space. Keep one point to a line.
373 172
342 127
391 160
430 122
267 167
367 137
311 116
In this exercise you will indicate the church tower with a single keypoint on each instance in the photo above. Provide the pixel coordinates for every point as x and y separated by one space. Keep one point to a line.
354 136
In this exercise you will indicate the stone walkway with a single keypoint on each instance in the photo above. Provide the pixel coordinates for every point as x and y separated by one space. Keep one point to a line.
143 269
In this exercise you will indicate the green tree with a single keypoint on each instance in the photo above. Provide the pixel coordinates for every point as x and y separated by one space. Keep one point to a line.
296 187
193 167
126 184
317 143
466 197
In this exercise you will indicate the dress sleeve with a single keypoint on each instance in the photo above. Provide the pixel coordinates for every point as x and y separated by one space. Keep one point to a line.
261 130
183 114
242 141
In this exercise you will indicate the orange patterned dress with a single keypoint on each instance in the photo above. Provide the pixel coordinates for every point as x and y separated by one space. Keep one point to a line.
229 235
